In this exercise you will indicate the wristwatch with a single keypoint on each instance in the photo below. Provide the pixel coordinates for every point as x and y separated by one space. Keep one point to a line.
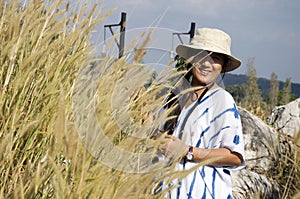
190 154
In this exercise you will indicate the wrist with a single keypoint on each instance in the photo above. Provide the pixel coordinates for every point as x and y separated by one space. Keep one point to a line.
190 154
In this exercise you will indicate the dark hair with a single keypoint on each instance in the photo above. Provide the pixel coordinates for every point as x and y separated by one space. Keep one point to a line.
224 66
172 99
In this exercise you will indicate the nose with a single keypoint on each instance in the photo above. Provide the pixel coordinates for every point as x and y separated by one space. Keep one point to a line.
206 64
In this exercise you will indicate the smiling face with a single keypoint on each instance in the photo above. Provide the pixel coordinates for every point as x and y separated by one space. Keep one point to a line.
207 68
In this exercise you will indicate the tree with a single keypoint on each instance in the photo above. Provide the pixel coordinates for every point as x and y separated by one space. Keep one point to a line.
237 92
253 99
273 92
253 94
285 93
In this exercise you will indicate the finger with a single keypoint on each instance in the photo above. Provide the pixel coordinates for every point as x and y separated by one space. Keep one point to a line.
170 137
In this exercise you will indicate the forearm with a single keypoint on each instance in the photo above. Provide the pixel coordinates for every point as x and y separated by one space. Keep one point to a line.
219 156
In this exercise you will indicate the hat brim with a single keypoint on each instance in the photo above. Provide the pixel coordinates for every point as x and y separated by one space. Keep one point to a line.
187 51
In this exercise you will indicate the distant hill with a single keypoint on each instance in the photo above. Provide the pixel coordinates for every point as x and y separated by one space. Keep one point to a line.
263 83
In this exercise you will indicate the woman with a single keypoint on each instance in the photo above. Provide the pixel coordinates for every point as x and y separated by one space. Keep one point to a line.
208 126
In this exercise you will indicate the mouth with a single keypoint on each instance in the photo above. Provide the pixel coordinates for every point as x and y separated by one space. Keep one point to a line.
204 71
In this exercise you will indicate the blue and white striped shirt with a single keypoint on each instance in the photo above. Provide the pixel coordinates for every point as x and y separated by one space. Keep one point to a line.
214 123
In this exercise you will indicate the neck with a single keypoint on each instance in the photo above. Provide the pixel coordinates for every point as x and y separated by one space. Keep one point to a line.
193 96
198 86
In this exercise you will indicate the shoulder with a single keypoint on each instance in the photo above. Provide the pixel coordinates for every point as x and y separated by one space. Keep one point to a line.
220 94
219 100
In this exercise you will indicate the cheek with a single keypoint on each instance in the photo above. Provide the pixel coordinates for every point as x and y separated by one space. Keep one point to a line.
218 68
194 71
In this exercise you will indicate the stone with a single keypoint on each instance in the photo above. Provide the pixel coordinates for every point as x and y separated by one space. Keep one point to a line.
286 118
260 141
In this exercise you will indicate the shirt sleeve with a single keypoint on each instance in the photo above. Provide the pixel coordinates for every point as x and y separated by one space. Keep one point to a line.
231 131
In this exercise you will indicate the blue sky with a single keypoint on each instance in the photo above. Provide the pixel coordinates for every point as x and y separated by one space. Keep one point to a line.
267 30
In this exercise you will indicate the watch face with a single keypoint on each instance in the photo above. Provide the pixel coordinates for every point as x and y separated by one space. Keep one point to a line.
189 156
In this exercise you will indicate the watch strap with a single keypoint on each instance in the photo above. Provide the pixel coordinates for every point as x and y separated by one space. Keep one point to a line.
190 154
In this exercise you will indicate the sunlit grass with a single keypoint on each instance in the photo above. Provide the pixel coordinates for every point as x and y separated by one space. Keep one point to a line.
286 168
42 50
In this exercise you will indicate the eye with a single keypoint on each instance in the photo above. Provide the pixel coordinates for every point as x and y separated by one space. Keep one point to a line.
217 58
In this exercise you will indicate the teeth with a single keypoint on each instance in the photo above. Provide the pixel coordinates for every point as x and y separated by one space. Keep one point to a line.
203 70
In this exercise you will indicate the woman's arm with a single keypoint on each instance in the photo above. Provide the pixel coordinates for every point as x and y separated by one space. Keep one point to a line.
223 156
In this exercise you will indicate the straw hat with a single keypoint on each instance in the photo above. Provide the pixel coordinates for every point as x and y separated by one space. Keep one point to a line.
213 40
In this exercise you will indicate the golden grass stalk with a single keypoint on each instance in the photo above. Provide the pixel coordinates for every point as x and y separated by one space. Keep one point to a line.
286 169
41 50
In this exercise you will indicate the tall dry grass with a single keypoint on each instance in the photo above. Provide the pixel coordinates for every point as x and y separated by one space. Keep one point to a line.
43 46
285 170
